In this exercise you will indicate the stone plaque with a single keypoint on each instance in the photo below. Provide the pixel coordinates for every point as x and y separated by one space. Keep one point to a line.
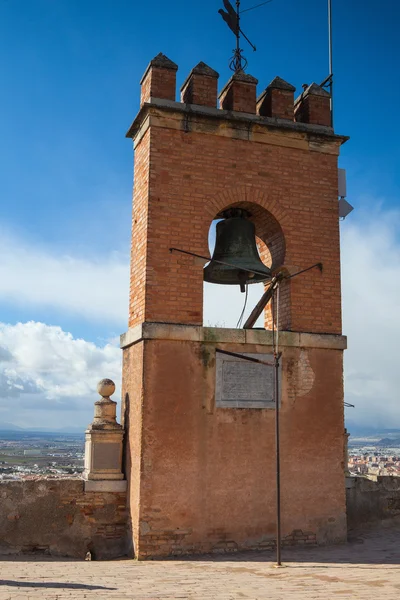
106 456
244 384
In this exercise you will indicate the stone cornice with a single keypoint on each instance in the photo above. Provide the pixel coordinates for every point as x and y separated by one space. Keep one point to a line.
217 335
202 119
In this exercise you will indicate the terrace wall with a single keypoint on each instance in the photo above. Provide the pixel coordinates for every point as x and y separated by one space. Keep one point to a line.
371 501
57 517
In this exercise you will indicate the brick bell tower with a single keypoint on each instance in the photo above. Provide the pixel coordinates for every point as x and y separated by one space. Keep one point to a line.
199 459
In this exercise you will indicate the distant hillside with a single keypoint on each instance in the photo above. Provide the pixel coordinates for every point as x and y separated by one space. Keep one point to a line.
378 432
9 427
389 442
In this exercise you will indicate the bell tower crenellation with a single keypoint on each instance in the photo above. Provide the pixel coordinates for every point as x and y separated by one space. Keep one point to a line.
193 160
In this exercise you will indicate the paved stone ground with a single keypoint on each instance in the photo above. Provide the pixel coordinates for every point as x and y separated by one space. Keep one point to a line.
366 568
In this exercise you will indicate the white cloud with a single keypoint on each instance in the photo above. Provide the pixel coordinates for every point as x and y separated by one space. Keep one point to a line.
371 317
93 288
223 305
49 378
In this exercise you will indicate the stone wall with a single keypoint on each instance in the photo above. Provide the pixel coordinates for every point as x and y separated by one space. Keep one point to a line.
56 516
371 501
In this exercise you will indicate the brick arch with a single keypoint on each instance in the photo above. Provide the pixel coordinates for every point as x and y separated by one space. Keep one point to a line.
245 193
267 215
270 220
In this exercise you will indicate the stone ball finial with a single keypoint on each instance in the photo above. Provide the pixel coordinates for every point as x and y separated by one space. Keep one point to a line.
106 388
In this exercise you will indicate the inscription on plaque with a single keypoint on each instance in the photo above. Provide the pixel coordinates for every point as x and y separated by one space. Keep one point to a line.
106 456
244 384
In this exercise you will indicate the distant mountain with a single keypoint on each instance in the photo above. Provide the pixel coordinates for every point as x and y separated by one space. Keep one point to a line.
9 427
360 431
389 442
72 430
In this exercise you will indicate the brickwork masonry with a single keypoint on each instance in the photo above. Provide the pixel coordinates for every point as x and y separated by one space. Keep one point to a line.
176 542
59 518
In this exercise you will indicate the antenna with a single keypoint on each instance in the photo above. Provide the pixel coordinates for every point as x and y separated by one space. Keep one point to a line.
232 19
328 82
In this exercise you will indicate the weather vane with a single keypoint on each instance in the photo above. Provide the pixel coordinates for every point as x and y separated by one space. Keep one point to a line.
232 19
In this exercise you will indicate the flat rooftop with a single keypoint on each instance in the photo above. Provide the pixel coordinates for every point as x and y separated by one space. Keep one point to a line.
366 568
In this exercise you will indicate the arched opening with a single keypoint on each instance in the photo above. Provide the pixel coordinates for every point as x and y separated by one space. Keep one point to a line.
225 305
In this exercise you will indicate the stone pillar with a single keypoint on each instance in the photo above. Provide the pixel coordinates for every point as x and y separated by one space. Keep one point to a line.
159 79
313 106
277 100
200 87
239 93
103 446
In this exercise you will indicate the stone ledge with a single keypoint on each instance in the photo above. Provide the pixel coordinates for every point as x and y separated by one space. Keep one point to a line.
217 335
116 486
205 112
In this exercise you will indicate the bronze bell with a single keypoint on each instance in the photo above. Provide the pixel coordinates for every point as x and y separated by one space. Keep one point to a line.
235 246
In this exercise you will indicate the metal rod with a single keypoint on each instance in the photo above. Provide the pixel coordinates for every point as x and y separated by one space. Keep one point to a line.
249 358
330 57
325 81
246 38
254 7
277 441
319 265
238 30
278 467
220 262
266 297
277 318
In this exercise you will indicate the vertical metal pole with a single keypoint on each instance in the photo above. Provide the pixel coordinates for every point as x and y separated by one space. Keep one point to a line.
238 35
277 441
330 56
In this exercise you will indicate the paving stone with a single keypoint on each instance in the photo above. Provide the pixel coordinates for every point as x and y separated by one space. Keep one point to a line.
365 569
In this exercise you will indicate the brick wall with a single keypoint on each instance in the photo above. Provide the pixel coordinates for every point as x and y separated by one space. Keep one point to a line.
139 245
191 178
201 479
191 166
57 517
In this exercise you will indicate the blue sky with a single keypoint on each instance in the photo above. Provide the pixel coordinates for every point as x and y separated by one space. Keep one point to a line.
70 72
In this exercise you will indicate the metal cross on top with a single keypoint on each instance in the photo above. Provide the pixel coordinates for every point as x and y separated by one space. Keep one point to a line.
232 19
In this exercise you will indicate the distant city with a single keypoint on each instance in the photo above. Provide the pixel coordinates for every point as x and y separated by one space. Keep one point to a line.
374 453
34 454
37 454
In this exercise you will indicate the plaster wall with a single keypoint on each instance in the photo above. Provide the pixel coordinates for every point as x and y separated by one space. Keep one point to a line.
207 474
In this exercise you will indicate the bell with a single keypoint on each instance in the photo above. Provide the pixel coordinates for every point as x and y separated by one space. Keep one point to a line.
235 260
